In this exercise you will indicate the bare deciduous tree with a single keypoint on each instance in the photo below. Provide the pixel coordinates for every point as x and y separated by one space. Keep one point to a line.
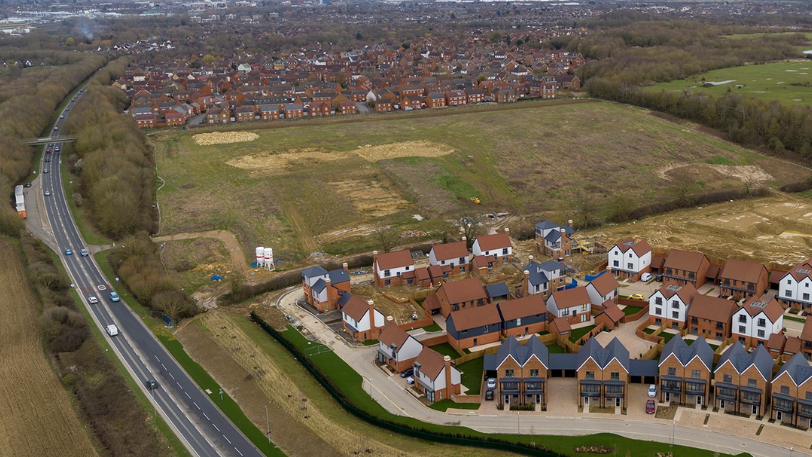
388 237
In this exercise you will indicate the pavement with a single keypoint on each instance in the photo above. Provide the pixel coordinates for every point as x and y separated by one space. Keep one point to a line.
723 434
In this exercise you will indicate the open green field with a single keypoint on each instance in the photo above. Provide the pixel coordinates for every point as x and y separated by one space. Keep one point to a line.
788 82
740 36
304 187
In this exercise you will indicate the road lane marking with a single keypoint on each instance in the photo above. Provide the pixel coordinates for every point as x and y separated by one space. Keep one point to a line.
156 358
195 403
178 383
187 395
171 376
207 418
238 451
163 366
229 441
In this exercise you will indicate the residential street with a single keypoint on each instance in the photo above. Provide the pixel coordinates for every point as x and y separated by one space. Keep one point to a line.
723 433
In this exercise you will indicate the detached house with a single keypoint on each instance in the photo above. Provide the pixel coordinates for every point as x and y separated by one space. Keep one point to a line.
683 267
554 240
603 374
523 316
742 380
396 348
756 321
322 288
521 372
629 259
452 257
462 294
542 278
360 317
792 393
685 372
795 287
710 317
743 279
392 268
573 304
435 377
603 290
497 246
474 326
670 304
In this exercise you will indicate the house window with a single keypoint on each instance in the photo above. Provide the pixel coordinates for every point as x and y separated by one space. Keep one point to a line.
762 322
629 266
518 321
674 304
658 311
751 383
742 329
760 333
442 262
727 378
387 273
565 312
806 297
534 372
388 282
485 329
614 376
789 281
784 390
583 307
505 260
508 373
788 293
616 263
672 372
695 374
504 251
658 301
462 268
590 375
675 314
743 319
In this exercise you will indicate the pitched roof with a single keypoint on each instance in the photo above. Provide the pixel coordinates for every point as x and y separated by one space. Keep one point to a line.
529 305
772 309
686 293
742 270
802 270
499 289
392 260
494 241
806 333
592 349
453 250
338 276
431 362
711 308
605 283
570 297
614 313
392 334
684 260
797 368
355 307
685 353
469 318
539 271
738 357
511 347
464 290
562 324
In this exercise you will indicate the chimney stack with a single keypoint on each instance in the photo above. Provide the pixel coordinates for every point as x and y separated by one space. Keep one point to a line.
507 229
390 319
526 282
346 268
530 258
569 222
447 366
464 238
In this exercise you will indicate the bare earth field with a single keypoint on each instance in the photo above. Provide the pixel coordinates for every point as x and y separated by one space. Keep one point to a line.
307 188
36 416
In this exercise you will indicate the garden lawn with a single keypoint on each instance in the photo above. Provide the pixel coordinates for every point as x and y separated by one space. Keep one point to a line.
472 375
446 349
629 310
577 333
555 348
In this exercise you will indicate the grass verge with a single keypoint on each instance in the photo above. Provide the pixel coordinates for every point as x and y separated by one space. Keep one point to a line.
443 405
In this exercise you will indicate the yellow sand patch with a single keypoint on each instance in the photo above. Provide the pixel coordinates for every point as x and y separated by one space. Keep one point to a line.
370 198
208 139
279 162
744 173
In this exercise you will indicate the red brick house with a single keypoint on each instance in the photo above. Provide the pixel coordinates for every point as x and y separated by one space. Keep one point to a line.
396 348
710 317
743 380
683 267
393 268
145 120
743 279
348 108
523 316
462 294
792 393
435 376
474 326
603 374
453 255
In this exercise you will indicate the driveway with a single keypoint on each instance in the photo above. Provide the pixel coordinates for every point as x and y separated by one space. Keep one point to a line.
626 334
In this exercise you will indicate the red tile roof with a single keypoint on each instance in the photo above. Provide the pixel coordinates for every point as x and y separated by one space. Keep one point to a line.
571 297
530 305
480 316
712 308
448 251
684 260
431 362
464 290
356 307
743 270
392 260
495 241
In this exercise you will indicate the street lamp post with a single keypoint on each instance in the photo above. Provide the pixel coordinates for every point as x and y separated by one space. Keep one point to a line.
267 425
673 431
518 423
790 451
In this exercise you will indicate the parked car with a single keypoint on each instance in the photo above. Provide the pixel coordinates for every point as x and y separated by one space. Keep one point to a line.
645 277
151 384
92 300
650 407
489 395
114 296
652 391
112 330
491 383
410 380
407 372
637 297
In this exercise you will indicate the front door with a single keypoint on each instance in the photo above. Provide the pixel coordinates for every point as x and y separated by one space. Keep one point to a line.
755 409
584 317
617 401
698 399
586 401
475 342
721 404
778 416
667 397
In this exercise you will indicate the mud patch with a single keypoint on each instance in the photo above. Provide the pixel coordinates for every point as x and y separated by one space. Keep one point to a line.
743 173
370 198
208 139
405 149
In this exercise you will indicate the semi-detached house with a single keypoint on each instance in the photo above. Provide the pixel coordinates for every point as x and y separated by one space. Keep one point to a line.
743 380
669 305
683 267
685 372
792 393
743 279
795 287
474 326
756 321
462 294
523 316
629 259
710 317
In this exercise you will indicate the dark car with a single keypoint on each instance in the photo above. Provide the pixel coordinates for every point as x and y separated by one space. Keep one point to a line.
489 395
650 407
28 184
407 372
151 384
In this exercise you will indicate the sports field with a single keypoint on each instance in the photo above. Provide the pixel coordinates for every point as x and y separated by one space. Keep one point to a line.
325 186
788 82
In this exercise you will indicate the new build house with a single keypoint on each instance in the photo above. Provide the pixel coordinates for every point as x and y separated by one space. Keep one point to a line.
435 377
322 288
521 372
360 317
451 257
474 326
603 374
603 290
684 267
743 279
523 316
743 380
554 240
710 317
497 246
629 259
393 268
396 348
462 294
756 321
542 278
795 287
792 393
669 305
573 304
685 371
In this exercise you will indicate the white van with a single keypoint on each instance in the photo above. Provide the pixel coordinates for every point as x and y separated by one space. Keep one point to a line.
112 330
645 277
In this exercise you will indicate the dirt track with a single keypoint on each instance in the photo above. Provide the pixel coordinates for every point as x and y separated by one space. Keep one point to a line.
36 416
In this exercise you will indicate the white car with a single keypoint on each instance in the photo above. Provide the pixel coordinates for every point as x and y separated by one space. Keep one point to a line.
92 300
410 380
645 277
491 385
652 391
112 330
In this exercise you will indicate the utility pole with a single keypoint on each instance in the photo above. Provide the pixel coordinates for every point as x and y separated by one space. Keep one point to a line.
267 425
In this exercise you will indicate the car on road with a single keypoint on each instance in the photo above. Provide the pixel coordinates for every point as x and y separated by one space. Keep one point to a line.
48 151
489 395
45 170
47 193
28 184
151 384
410 380
637 297
650 407
47 158
84 252
407 372
114 296
58 148
92 300
652 391
68 252
112 330
491 383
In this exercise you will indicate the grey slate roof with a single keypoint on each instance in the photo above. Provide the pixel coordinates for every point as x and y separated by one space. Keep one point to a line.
685 353
798 369
547 225
602 356
538 271
511 347
497 290
338 276
313 271
319 286
643 368
737 355
563 361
